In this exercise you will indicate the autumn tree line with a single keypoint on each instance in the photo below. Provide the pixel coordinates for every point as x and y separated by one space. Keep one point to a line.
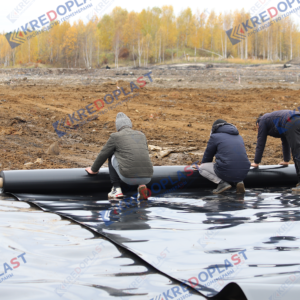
152 36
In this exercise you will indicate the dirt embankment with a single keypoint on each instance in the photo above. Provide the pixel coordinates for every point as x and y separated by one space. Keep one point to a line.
175 119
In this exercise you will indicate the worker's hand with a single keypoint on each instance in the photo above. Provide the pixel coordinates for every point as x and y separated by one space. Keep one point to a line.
254 165
89 170
196 167
284 163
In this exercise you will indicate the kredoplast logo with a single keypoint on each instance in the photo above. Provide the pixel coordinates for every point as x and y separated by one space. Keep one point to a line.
205 279
218 272
45 22
10 266
81 268
266 18
289 283
139 280
259 6
100 8
19 10
93 110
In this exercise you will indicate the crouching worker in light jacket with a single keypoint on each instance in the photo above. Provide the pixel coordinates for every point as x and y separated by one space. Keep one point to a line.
232 163
128 159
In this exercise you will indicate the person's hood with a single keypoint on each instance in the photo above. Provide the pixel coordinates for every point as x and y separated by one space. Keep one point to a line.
225 128
122 121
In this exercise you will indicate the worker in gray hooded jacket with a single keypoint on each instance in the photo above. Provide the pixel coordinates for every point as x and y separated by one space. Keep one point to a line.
128 159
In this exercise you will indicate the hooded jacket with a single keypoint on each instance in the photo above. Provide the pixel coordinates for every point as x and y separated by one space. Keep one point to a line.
131 150
225 143
275 125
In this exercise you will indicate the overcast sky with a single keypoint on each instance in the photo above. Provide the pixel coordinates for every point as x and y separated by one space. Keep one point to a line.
37 8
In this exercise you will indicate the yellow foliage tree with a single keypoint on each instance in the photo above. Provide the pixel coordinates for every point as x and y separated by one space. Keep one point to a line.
152 36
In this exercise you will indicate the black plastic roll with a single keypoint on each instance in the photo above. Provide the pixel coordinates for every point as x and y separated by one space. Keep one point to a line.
165 178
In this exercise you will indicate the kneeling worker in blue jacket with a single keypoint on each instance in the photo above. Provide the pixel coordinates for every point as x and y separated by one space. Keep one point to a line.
232 163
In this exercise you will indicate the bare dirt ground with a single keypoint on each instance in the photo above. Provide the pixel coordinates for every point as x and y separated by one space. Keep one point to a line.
175 111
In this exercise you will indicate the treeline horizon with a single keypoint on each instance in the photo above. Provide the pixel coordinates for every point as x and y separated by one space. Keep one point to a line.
155 35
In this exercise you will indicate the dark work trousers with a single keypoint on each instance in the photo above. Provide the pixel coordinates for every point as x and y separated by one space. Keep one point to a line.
114 177
292 135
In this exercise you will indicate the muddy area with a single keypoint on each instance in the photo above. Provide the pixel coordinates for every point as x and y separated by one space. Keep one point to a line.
175 111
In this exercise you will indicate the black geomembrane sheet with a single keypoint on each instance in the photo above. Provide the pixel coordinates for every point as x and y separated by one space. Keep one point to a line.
228 246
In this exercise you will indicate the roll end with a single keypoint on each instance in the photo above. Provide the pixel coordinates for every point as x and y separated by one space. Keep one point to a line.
1 183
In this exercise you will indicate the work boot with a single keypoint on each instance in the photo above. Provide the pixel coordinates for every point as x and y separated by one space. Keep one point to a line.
297 188
222 187
240 188
115 193
142 192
